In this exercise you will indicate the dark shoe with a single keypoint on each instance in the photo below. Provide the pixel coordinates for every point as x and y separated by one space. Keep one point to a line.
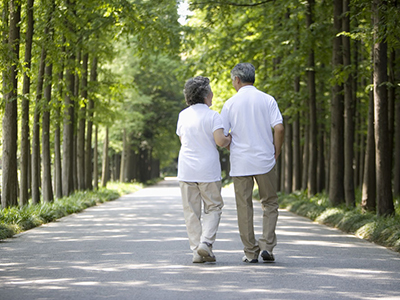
249 261
267 256
205 251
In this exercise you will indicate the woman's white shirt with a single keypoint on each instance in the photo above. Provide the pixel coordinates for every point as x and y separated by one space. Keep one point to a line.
198 157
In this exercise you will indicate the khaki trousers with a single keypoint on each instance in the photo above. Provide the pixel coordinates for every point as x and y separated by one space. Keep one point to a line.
267 185
194 194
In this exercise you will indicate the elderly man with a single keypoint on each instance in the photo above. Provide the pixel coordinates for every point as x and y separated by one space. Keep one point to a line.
250 116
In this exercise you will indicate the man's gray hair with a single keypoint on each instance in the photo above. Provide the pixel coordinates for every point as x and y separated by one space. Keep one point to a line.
245 71
196 90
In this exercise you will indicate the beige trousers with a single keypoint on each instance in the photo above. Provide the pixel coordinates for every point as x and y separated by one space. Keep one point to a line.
194 195
267 185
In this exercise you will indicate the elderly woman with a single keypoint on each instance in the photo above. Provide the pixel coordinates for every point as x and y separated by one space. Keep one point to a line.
200 129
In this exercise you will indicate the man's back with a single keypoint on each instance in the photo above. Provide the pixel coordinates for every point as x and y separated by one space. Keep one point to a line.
250 115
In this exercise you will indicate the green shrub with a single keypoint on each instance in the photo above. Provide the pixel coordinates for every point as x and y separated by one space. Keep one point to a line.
17 219
381 230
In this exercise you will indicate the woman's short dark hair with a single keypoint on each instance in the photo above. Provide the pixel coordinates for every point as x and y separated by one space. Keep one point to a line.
196 90
245 71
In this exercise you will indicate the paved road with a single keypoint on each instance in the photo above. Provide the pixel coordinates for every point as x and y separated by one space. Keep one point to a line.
136 248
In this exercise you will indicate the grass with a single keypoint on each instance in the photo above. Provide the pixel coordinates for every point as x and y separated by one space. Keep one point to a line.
384 231
14 220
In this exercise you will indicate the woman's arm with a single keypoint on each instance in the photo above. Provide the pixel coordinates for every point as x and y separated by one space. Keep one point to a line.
220 138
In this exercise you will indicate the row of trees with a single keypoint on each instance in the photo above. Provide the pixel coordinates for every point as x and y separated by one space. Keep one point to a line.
333 67
62 85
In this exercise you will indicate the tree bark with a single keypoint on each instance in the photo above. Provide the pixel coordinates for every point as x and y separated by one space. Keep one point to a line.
336 184
36 131
321 170
69 113
383 168
95 159
76 117
57 138
88 152
106 162
397 130
122 175
82 125
306 155
391 106
68 133
47 188
296 144
25 143
312 106
288 157
368 198
9 191
348 112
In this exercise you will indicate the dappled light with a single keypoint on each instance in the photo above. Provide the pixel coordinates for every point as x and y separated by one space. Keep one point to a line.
138 246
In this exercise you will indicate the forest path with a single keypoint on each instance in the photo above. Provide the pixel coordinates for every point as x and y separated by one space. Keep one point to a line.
136 247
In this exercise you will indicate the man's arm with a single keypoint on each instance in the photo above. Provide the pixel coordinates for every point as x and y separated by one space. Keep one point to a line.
279 135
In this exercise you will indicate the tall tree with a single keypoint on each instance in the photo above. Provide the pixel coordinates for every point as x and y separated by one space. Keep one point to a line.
69 113
47 188
25 143
383 168
105 174
89 130
313 156
9 191
336 184
397 129
35 161
348 112
368 198
82 125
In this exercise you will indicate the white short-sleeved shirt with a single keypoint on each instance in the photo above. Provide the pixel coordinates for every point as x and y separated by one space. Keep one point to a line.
198 157
250 115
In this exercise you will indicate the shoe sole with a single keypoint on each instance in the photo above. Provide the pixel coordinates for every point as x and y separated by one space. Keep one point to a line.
206 256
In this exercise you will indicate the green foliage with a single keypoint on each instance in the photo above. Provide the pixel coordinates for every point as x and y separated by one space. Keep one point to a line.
17 219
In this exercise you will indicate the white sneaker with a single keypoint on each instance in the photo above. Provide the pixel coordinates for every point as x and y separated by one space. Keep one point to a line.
205 251
197 259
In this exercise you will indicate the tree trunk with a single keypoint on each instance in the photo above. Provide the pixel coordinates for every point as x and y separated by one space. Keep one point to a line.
105 177
95 159
82 125
122 175
368 198
36 129
397 130
88 152
313 156
68 133
306 155
76 118
25 143
348 113
391 106
383 168
9 191
288 158
336 184
57 140
321 171
296 144
47 189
